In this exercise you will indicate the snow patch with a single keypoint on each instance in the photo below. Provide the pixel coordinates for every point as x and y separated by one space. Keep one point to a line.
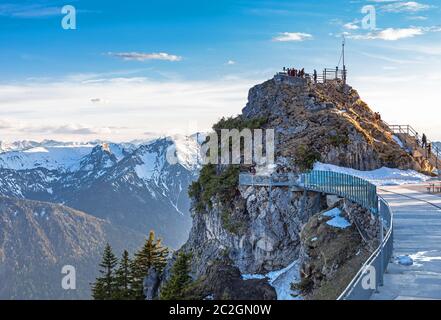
146 170
281 280
380 177
187 150
404 260
425 256
51 158
337 220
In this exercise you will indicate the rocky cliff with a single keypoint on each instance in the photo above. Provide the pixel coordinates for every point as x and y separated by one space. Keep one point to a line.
238 227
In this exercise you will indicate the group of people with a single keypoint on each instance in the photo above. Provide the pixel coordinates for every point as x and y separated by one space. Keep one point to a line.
294 72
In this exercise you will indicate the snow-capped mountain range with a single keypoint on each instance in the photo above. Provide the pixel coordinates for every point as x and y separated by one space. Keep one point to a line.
129 184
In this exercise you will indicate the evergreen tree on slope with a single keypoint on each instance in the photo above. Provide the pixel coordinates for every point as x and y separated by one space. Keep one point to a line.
123 278
152 254
179 280
104 287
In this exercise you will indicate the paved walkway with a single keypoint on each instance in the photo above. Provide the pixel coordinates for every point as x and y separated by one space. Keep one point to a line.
417 233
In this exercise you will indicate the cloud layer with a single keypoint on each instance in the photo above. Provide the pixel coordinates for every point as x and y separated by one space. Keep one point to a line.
410 7
68 110
292 36
140 56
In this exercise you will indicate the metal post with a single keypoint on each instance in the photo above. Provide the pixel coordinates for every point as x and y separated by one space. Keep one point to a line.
381 244
269 195
344 74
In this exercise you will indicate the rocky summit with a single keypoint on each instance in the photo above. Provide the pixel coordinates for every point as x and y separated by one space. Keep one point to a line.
238 228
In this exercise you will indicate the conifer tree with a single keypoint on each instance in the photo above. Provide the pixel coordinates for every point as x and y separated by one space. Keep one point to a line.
179 280
152 254
104 287
123 278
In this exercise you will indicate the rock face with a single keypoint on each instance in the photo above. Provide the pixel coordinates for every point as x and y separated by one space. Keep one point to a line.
151 284
257 238
259 230
331 256
222 281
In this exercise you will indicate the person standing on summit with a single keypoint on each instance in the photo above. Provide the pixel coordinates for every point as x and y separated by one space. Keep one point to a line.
424 141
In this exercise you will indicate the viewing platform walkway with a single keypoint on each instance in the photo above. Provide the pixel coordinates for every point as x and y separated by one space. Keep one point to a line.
417 235
346 186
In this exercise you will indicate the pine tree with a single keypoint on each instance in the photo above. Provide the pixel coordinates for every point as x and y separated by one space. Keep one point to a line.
179 280
152 254
104 287
123 278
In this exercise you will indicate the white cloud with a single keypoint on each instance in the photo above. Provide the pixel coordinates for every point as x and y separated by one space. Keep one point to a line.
389 34
64 109
70 129
140 56
351 26
292 36
6 124
410 6
393 34
231 62
28 10
419 18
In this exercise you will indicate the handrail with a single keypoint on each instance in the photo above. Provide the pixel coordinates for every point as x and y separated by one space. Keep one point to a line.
409 130
327 74
353 188
435 154
347 186
378 260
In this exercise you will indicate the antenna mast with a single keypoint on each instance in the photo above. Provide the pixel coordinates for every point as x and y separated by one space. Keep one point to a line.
343 56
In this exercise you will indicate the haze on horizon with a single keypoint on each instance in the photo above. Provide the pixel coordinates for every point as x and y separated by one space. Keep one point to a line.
151 69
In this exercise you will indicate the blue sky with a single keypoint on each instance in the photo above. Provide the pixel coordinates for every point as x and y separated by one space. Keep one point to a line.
137 69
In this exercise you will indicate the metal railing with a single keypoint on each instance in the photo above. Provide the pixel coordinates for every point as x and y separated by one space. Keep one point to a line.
350 187
277 180
328 74
376 264
353 188
411 132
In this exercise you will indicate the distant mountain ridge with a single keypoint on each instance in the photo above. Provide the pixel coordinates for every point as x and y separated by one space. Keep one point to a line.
127 184
38 238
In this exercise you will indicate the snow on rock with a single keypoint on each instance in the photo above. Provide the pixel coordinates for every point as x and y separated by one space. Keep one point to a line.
151 164
51 158
380 177
281 280
337 220
400 143
186 149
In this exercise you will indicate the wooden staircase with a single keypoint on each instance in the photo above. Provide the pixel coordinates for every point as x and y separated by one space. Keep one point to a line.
412 140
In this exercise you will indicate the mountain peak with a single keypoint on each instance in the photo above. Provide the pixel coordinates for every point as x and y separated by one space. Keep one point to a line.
327 121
